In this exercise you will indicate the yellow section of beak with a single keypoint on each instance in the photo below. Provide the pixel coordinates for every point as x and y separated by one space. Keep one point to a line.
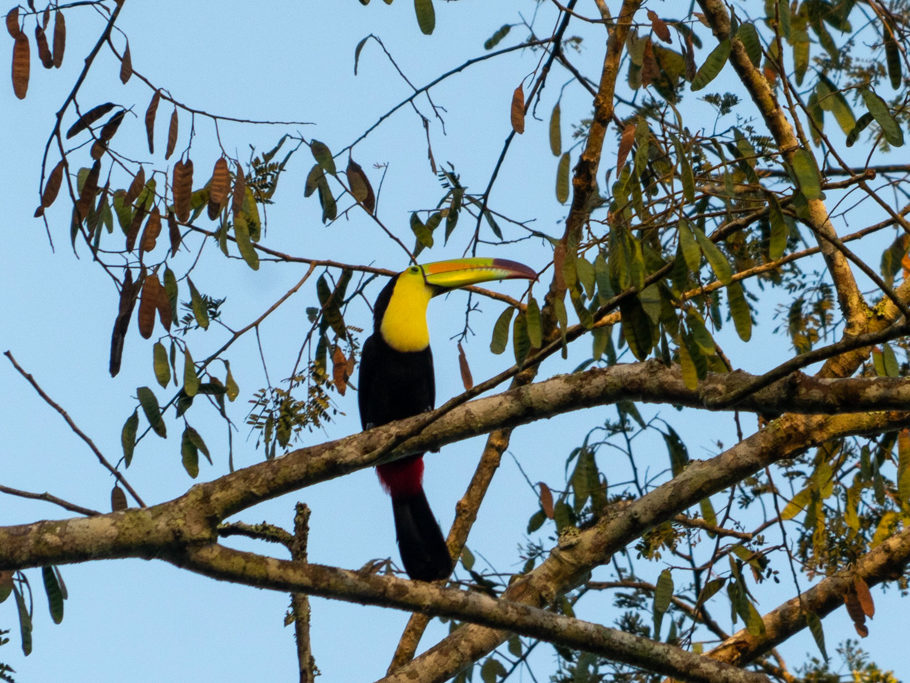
471 271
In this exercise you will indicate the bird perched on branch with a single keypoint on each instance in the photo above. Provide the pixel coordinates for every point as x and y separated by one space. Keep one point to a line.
397 381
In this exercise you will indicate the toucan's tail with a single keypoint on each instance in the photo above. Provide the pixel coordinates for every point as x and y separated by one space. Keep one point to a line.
420 541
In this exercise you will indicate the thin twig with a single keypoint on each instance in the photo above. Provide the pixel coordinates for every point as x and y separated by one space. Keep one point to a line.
82 435
49 498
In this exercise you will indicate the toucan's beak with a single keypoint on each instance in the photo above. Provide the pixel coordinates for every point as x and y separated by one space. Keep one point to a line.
471 271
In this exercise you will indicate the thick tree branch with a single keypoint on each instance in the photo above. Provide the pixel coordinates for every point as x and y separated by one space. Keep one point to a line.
235 565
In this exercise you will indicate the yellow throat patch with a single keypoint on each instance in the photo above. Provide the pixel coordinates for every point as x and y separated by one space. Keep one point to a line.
404 324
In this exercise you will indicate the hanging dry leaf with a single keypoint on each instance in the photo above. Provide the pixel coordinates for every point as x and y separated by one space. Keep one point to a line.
219 187
546 500
122 321
855 610
20 66
12 22
691 68
518 110
339 370
126 64
89 190
59 38
659 27
46 17
107 132
171 135
239 191
52 186
88 118
165 313
625 145
360 186
182 187
152 230
135 224
466 379
150 120
136 185
649 67
44 51
148 305
173 232
118 499
864 596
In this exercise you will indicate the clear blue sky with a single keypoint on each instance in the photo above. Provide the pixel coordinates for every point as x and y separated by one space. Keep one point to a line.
146 621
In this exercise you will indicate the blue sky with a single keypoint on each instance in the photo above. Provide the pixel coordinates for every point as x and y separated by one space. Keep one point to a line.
147 621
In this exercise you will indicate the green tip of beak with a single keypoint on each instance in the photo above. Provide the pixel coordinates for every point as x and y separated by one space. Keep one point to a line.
471 271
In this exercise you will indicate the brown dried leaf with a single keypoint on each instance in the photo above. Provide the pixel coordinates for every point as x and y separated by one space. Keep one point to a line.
118 499
44 52
173 232
88 118
89 190
152 230
165 313
46 17
126 64
649 67
148 305
360 185
339 370
59 38
625 145
219 187
52 186
518 110
546 500
691 68
110 128
20 66
135 224
12 22
659 27
171 135
466 379
150 120
136 186
855 610
864 596
861 629
182 187
121 323
559 258
239 191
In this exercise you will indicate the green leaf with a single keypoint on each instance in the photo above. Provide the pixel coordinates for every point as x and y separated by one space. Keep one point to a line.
521 343
426 16
780 231
501 331
860 126
323 156
636 327
715 257
171 290
492 669
326 200
664 592
555 131
687 367
748 36
200 311
54 593
152 412
685 172
833 100
189 455
421 232
159 361
230 385
879 109
739 311
712 65
689 246
707 513
806 173
562 179
196 439
25 622
710 589
128 437
892 57
815 627
536 521
242 226
495 39
535 329
889 361
190 378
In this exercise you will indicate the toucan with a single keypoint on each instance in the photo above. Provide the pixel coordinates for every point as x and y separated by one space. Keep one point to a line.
396 381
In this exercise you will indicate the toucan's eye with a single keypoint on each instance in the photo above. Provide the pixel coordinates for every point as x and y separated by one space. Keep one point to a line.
414 269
